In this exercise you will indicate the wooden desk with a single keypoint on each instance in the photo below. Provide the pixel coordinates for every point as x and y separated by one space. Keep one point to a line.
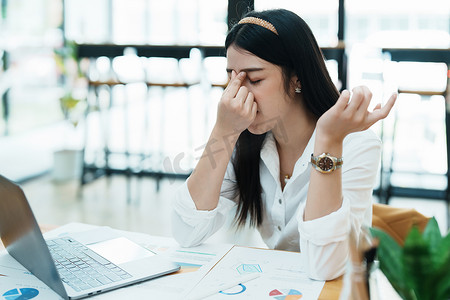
331 290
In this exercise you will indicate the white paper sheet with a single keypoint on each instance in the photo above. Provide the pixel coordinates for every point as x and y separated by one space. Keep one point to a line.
16 280
33 288
281 275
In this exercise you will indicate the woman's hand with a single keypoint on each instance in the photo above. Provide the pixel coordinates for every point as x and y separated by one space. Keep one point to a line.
237 108
351 116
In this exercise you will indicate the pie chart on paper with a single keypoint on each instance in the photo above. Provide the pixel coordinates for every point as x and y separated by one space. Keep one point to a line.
20 294
285 294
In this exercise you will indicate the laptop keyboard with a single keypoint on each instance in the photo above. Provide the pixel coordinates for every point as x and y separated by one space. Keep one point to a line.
80 267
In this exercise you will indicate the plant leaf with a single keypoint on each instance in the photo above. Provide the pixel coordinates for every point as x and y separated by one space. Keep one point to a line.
390 256
442 275
442 251
421 270
417 264
431 233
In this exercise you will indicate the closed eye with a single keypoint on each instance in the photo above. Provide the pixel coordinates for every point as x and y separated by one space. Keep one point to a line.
255 81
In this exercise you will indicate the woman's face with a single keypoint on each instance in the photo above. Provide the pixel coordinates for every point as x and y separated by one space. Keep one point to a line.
265 80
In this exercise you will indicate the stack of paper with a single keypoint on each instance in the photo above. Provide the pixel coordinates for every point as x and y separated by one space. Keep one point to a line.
281 276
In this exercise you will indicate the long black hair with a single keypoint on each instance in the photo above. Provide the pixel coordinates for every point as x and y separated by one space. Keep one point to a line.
296 51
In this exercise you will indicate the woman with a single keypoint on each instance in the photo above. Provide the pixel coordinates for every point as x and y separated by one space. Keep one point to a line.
276 150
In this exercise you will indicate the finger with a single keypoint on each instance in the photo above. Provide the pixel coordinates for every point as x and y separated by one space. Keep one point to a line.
378 106
254 109
343 99
359 99
234 85
249 100
365 101
233 74
242 94
383 112
389 105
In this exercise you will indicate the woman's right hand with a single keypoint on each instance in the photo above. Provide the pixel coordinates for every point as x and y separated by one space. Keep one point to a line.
237 108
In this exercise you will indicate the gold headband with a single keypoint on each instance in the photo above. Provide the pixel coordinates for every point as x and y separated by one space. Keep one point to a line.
260 22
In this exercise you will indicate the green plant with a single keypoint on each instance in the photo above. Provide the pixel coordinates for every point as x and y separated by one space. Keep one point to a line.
71 108
72 81
420 270
68 54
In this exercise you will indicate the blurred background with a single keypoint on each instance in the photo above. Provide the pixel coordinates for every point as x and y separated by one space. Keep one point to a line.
106 105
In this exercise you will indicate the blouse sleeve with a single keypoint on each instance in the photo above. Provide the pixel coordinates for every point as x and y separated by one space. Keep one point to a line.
191 227
324 241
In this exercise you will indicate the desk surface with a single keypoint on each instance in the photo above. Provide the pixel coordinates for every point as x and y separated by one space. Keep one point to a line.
330 291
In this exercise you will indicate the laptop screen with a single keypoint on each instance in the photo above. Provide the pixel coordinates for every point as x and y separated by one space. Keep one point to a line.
22 237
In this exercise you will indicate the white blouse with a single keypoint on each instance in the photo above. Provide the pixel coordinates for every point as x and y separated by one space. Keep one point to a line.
323 241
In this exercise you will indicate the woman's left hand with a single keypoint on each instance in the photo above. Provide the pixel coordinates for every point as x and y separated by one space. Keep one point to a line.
351 116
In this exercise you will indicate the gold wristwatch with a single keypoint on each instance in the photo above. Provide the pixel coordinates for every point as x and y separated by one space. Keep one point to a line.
325 163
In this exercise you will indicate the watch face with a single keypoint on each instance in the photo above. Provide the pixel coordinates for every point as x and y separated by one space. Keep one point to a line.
325 163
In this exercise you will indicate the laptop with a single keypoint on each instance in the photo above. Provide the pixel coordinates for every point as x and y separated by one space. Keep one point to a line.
75 266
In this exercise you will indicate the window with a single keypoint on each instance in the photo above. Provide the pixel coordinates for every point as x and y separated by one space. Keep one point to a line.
399 23
30 32
321 16
177 22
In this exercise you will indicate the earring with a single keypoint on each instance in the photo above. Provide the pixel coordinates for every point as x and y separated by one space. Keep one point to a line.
298 90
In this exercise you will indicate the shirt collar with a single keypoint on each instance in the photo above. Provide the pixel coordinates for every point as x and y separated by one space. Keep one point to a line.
269 155
303 161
